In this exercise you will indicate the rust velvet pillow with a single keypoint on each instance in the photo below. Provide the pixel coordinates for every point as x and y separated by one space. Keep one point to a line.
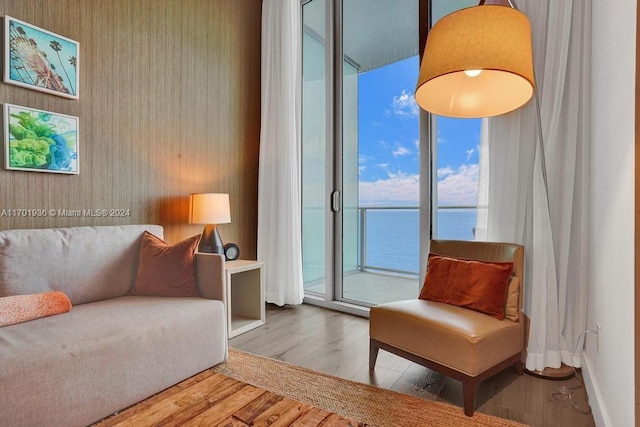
21 308
166 270
477 285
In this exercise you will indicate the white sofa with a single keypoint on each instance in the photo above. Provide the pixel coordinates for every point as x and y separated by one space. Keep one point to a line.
112 349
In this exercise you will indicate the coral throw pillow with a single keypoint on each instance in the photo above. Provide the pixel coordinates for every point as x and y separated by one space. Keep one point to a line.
21 308
166 270
477 285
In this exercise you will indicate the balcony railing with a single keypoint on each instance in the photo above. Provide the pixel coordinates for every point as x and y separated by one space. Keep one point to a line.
396 238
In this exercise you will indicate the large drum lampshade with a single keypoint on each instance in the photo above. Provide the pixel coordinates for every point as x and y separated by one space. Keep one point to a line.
477 62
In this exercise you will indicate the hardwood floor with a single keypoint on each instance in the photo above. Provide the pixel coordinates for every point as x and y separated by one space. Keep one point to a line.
338 344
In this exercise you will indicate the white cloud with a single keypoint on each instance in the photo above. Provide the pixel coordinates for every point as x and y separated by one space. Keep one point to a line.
400 151
361 169
442 172
397 189
364 159
383 165
455 187
458 187
405 105
470 153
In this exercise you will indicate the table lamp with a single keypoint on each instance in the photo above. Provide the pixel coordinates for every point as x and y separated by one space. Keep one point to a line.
210 209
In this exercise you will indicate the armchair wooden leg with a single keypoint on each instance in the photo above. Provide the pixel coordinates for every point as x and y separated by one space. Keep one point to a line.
469 390
373 354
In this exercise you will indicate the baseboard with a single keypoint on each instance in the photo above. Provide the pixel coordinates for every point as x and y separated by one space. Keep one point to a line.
599 412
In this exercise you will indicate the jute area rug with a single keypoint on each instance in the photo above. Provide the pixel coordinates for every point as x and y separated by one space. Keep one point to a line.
368 404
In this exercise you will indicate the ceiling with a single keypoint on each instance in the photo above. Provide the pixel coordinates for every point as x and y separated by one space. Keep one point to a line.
377 32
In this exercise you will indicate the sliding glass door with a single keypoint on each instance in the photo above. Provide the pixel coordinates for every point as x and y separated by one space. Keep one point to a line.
381 151
361 150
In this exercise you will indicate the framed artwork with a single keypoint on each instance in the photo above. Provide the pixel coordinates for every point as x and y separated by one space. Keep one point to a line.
40 141
41 60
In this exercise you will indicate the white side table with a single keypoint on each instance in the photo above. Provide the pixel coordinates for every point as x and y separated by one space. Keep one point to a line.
245 295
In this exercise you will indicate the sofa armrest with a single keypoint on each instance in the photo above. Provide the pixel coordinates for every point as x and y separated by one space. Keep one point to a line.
210 275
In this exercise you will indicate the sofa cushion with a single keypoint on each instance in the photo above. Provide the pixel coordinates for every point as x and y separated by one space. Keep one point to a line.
22 308
477 285
104 356
86 263
166 270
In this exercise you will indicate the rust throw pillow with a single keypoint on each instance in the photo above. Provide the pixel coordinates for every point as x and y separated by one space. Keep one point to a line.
166 270
477 285
21 308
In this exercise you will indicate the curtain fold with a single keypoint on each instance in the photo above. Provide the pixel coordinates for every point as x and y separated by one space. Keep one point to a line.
550 218
279 193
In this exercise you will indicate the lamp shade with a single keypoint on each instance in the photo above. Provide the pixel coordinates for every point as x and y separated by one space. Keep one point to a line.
209 208
477 62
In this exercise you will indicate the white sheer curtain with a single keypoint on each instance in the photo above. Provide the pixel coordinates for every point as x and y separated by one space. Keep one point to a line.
279 221
550 220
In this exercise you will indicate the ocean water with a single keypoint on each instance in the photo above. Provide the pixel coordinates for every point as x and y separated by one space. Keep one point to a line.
392 239
392 235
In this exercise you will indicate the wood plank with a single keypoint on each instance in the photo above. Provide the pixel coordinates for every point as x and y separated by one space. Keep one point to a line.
283 413
335 420
250 412
313 417
226 407
232 421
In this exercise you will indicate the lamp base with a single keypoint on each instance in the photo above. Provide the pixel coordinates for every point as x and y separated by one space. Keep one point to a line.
210 242
562 373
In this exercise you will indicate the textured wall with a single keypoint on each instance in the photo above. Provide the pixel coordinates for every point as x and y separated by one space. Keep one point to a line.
169 105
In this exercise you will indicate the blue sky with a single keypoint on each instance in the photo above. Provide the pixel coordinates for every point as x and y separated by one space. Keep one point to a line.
388 142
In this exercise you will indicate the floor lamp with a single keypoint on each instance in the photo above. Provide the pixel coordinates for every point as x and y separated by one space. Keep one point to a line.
478 62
